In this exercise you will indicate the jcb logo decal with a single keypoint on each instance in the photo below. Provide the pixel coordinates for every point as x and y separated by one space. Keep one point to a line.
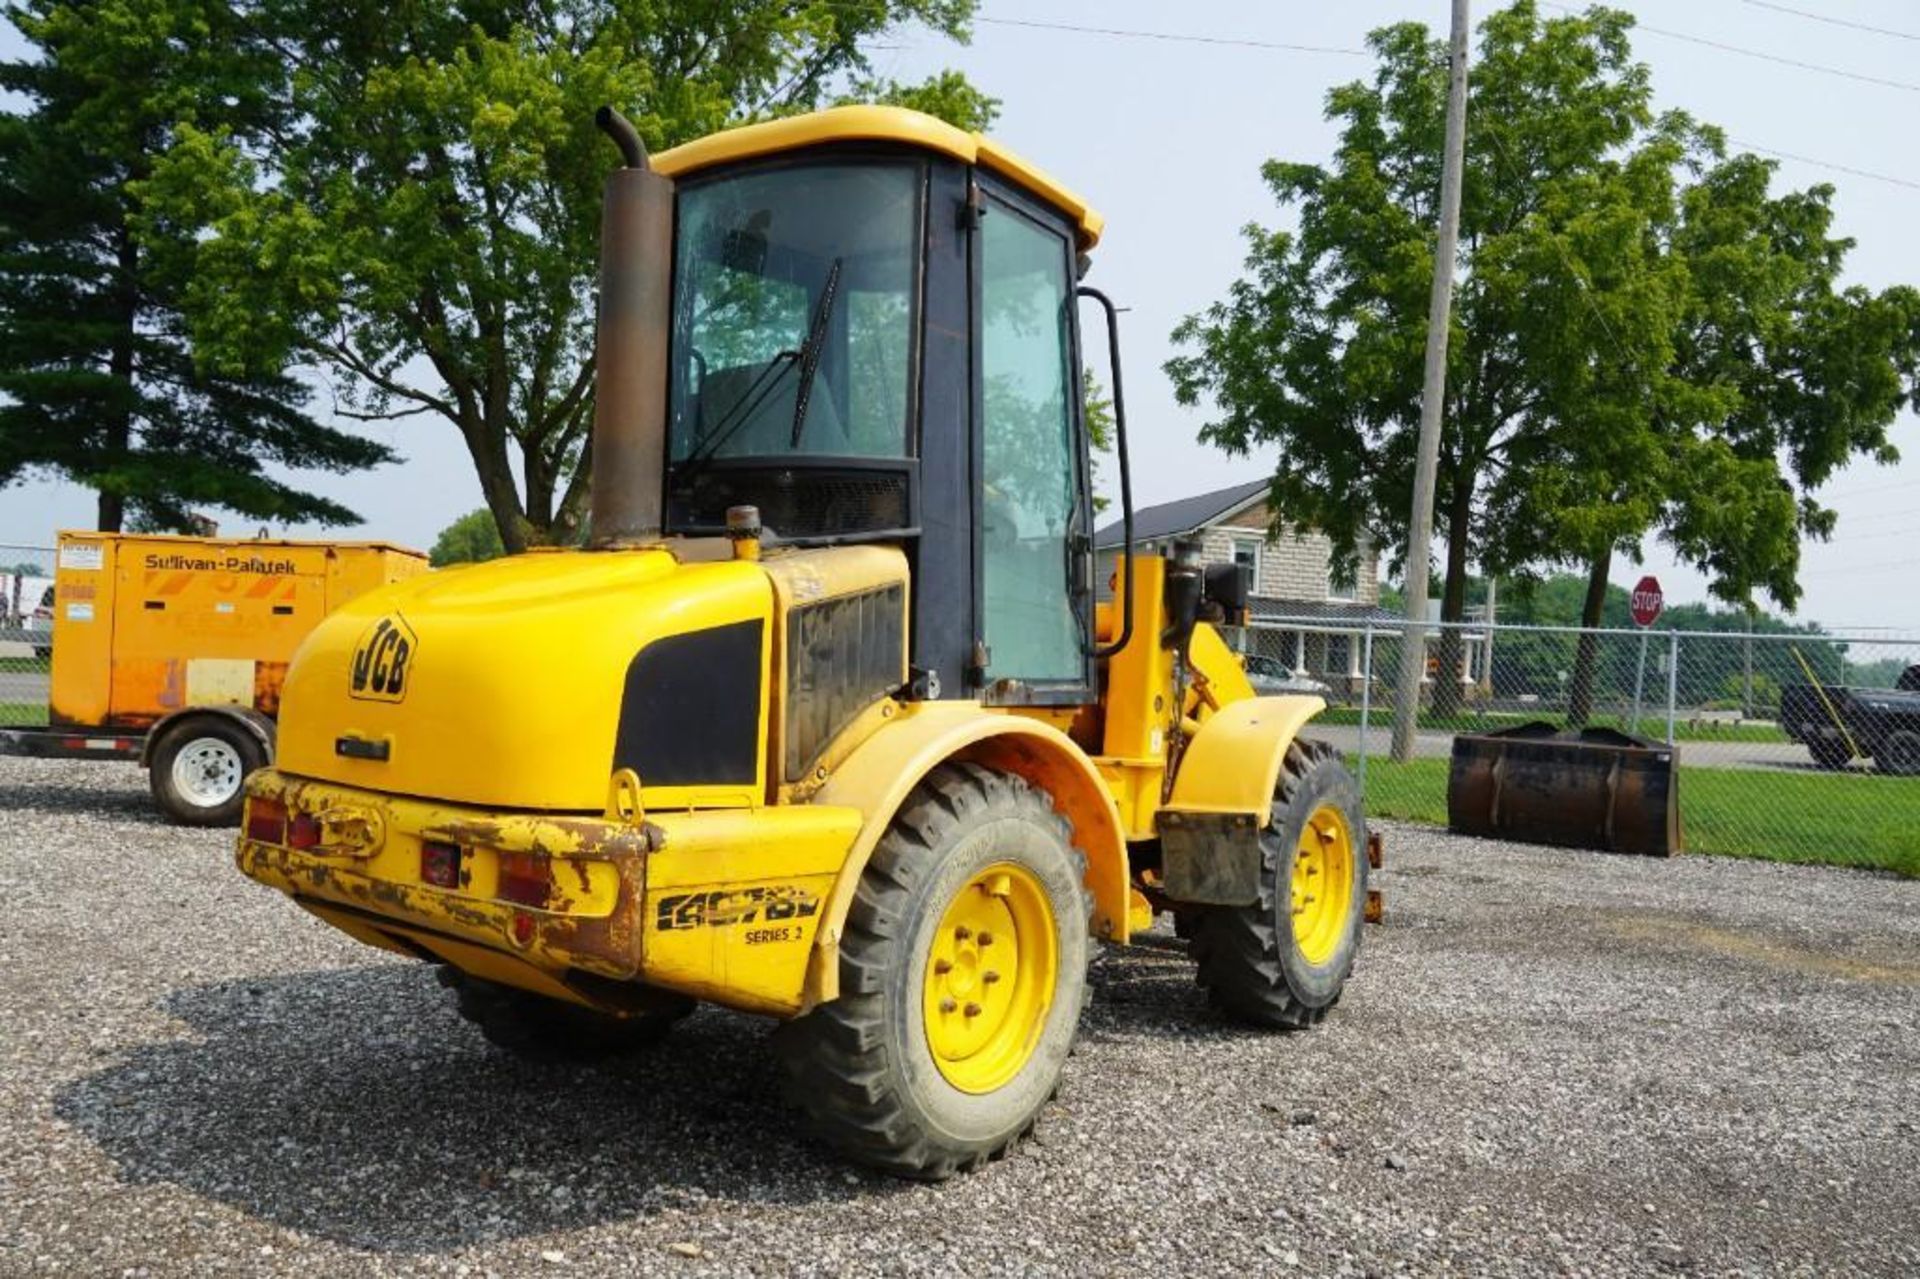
740 906
382 660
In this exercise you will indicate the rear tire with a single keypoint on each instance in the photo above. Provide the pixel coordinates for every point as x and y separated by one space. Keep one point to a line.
1279 963
1898 754
926 1064
548 1030
198 770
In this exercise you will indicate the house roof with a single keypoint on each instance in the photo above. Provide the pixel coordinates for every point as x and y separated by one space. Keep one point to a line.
1266 608
1171 519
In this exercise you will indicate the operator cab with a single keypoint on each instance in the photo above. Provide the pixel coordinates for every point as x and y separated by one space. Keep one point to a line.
831 276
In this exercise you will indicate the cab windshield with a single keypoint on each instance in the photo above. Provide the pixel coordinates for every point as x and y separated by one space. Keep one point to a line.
794 313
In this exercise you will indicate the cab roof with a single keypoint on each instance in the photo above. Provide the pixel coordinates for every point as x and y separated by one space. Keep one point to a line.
878 124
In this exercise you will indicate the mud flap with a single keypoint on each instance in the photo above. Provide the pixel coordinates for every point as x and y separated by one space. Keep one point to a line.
1210 859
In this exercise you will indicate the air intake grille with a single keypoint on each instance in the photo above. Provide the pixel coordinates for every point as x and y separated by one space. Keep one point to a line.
794 503
843 655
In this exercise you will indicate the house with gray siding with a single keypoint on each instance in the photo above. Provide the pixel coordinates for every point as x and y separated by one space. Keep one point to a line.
1305 612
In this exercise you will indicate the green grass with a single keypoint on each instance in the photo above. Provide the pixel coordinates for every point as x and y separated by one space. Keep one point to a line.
24 665
1837 819
1651 725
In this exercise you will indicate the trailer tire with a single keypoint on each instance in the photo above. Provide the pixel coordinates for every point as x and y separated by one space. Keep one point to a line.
548 1030
962 978
1257 964
198 769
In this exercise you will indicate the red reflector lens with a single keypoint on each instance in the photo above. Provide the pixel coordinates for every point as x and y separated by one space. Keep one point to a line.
524 878
522 928
266 821
303 831
440 864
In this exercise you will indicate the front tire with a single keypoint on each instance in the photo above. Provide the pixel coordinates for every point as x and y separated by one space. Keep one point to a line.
962 975
1284 961
197 770
1829 752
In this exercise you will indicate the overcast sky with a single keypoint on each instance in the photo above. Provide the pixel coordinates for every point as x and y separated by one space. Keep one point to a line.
1165 138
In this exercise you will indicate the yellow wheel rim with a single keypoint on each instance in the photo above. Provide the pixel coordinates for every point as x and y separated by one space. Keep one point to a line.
1322 884
990 977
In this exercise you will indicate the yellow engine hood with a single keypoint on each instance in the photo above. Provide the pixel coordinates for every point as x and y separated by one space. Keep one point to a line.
502 684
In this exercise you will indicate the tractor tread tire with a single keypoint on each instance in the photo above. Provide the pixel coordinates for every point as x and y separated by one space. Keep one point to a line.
838 1070
547 1030
1237 948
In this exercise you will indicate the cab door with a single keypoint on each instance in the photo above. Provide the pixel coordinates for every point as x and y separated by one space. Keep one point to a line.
1033 512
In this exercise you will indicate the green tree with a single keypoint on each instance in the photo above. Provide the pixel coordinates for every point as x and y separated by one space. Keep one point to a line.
428 232
1645 340
97 382
468 540
1097 409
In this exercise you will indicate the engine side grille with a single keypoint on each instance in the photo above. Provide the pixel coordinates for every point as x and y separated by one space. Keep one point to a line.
843 655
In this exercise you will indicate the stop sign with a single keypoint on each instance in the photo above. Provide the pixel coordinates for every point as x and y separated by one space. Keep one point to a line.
1646 601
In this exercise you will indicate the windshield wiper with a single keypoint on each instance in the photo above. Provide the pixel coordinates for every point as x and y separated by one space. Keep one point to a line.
743 408
810 353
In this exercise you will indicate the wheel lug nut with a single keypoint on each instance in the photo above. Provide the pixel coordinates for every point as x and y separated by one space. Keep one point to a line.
989 977
986 939
942 966
963 932
947 1005
972 1010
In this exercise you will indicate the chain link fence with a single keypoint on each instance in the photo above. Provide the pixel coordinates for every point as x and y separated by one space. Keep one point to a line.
1801 746
26 633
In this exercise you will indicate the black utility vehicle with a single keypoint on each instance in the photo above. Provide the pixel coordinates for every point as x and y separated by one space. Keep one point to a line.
1882 723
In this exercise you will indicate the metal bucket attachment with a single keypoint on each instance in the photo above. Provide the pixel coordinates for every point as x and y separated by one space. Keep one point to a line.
1593 789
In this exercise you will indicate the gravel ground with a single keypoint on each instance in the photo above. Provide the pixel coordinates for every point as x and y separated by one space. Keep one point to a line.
1547 1063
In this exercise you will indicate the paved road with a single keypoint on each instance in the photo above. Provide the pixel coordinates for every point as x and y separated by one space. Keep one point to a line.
28 687
1547 1063
1781 756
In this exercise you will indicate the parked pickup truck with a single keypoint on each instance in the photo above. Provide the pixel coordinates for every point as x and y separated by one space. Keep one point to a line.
1883 723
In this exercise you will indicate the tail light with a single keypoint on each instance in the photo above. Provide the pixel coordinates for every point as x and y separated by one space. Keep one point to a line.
303 831
266 821
525 879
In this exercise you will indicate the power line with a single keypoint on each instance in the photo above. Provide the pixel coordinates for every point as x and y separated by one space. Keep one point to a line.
1830 20
1827 164
1745 52
1877 566
1176 36
1877 488
1190 38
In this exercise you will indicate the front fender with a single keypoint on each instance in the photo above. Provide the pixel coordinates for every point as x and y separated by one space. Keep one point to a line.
1232 765
884 769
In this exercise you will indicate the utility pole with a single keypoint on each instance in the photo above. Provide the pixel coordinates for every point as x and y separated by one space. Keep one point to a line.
1413 647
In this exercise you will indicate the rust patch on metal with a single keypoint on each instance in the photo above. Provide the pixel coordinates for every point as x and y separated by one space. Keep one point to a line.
1376 857
268 678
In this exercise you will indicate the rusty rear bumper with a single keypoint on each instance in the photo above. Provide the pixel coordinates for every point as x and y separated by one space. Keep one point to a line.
364 874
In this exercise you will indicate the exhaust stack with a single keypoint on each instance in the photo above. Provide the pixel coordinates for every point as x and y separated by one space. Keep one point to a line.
630 348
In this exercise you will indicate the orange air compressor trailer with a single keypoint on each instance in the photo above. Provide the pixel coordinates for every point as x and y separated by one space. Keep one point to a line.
170 650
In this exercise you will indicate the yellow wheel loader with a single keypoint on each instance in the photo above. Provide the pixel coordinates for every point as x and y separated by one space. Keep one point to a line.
826 722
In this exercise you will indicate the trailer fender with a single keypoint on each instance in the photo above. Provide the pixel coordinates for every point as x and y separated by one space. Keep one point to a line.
260 726
877 778
1222 798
